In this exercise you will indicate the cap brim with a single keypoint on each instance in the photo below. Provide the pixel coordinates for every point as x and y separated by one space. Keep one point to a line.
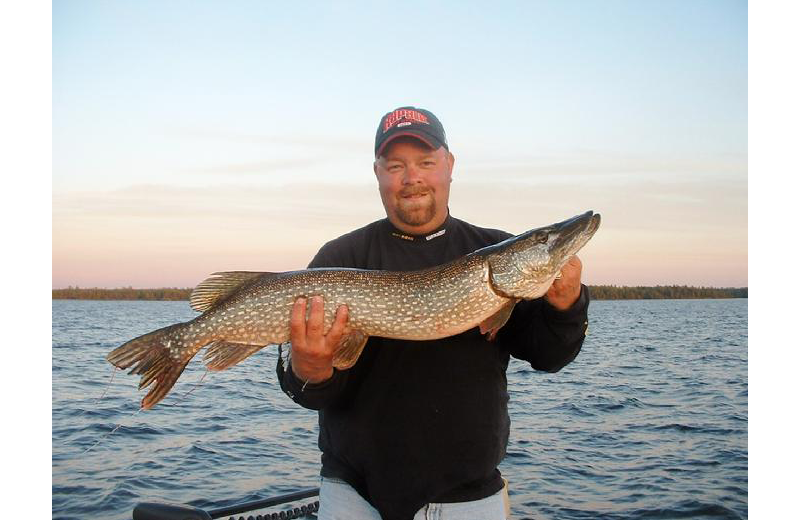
430 141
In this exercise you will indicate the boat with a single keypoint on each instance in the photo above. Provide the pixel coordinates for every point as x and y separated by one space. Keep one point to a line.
161 511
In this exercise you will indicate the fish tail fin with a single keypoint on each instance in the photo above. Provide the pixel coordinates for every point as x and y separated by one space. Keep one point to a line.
149 355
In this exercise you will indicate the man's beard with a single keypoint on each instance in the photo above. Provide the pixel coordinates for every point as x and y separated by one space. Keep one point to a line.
416 214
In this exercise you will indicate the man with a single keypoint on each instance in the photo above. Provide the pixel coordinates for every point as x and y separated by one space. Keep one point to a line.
416 427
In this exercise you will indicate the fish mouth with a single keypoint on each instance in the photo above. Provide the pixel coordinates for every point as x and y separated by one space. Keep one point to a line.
575 232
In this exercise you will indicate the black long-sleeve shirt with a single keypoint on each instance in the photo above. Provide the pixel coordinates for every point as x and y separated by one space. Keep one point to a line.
414 422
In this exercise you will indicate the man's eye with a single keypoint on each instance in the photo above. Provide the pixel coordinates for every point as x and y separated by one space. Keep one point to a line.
394 167
428 164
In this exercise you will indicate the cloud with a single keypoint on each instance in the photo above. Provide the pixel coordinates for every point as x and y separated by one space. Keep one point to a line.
309 141
603 167
168 235
258 167
655 230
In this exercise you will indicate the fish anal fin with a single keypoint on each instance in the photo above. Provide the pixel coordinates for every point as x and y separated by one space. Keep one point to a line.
349 349
218 286
495 322
224 354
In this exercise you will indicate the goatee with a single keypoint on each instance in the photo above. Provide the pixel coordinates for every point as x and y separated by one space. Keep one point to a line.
417 216
416 205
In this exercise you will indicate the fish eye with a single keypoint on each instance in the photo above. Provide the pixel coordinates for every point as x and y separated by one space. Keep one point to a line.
541 237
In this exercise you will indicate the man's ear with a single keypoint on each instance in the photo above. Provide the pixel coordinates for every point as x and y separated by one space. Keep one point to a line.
451 159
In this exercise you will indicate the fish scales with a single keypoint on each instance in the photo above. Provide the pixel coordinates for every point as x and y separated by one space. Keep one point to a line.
414 305
244 311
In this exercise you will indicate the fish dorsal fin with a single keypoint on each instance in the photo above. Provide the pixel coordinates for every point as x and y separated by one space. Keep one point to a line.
219 285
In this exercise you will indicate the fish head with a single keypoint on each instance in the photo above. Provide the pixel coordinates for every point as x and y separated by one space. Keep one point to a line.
525 266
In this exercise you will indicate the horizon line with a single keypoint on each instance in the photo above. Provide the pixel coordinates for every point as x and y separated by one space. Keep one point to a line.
130 287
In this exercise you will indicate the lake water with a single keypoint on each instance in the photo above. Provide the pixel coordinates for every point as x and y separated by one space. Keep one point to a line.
650 421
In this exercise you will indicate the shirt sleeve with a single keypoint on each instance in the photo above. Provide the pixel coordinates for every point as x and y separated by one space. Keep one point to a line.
549 339
314 396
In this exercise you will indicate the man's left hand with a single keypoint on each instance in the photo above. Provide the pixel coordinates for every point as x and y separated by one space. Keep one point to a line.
566 290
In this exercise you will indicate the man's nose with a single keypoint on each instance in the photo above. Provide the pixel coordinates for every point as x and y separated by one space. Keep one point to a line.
412 175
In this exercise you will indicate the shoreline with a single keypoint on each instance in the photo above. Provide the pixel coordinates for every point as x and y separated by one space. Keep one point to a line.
597 292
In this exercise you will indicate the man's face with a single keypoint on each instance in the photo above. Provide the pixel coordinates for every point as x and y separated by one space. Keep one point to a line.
414 182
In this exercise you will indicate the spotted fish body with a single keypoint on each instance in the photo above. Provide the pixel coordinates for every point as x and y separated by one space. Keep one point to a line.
242 312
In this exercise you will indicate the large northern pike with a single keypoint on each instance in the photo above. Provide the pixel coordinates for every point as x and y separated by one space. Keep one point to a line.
242 312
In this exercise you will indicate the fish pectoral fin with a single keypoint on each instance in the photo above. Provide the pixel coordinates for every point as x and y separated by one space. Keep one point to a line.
349 349
495 322
224 354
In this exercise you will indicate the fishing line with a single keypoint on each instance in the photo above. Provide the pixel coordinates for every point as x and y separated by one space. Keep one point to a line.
97 400
113 372
117 427
196 385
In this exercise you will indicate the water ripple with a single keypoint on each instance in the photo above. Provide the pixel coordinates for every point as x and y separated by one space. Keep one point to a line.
650 421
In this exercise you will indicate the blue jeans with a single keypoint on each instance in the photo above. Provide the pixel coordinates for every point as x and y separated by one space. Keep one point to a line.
339 501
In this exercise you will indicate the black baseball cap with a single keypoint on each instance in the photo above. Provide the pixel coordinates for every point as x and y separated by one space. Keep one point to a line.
411 121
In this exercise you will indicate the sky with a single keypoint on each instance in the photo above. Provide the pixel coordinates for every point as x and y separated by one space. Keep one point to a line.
195 137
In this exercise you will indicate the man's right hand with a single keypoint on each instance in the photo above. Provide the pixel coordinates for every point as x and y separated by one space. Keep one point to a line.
312 351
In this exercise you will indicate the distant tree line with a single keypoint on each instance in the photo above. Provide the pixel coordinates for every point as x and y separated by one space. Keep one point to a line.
664 292
598 292
123 293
